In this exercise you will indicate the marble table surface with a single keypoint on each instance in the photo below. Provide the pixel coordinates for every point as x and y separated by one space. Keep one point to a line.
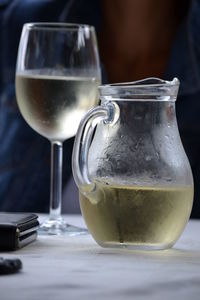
56 267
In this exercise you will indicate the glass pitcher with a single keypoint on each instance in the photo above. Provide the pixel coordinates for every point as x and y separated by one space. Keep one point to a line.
134 179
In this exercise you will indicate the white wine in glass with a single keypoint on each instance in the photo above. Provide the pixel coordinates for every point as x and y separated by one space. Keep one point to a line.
57 77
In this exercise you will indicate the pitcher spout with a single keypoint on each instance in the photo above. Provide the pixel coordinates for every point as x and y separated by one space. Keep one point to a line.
148 89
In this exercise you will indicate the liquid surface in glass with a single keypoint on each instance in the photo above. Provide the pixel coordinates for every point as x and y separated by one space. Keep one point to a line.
137 216
54 105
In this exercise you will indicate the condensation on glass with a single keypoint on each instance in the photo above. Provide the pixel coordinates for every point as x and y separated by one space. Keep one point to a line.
134 178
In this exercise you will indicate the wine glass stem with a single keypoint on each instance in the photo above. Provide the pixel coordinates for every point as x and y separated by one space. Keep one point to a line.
56 180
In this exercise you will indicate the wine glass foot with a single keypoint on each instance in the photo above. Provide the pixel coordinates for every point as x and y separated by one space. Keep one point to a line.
60 227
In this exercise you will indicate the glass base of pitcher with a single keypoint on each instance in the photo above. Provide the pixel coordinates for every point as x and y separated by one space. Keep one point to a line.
132 246
60 227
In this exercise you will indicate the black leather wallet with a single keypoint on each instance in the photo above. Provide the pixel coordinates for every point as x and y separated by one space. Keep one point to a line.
17 230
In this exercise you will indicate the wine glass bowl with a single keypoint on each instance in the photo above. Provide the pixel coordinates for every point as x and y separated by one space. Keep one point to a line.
53 105
57 76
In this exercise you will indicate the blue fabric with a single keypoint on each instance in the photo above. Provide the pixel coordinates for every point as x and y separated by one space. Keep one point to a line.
24 155
184 63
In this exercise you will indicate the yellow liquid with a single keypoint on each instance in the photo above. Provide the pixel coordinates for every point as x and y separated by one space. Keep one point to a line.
134 216
54 105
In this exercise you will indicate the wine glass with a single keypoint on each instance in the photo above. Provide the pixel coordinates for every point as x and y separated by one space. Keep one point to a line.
57 76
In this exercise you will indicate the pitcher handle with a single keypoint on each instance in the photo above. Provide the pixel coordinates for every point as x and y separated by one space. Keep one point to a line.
108 113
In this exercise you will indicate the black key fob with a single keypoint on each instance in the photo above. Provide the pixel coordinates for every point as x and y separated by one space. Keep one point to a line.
10 266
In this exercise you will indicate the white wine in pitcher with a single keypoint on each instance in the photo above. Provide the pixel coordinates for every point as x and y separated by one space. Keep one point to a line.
135 216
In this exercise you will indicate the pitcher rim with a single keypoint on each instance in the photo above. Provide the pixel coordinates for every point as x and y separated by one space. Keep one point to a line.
148 89
174 82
